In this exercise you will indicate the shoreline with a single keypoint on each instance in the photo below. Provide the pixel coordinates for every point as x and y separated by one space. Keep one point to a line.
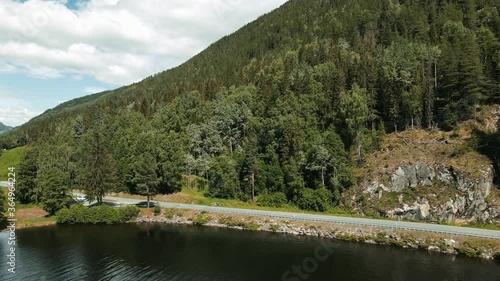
33 225
448 244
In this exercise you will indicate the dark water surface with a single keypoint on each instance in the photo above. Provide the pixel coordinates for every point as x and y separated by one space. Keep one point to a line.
163 252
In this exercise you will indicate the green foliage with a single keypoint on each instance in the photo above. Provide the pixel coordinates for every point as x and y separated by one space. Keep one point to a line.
463 78
26 189
224 182
157 210
274 227
276 200
79 214
251 226
129 212
270 174
201 219
97 171
314 200
470 252
170 154
53 181
146 179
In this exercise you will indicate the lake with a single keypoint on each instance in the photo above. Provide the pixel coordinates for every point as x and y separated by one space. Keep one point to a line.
166 252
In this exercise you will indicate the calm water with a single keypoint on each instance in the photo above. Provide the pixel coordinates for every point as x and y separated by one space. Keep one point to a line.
163 252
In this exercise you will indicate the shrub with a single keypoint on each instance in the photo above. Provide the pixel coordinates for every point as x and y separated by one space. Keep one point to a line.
276 200
202 219
129 212
79 214
251 226
64 216
274 227
169 214
230 222
314 200
306 199
472 253
103 215
157 210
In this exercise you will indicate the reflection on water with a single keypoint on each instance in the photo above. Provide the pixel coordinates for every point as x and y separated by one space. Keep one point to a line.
163 252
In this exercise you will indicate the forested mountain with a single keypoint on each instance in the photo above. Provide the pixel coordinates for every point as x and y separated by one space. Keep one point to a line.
283 108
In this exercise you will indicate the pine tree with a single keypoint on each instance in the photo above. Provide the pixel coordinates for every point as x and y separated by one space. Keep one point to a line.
171 152
462 80
97 174
145 178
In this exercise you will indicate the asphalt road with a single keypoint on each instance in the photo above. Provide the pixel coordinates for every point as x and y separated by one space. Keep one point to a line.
424 227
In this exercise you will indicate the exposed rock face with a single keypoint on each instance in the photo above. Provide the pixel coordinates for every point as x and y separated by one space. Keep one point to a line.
410 176
467 196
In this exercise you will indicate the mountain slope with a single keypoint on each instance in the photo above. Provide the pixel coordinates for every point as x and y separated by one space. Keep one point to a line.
4 128
237 58
283 111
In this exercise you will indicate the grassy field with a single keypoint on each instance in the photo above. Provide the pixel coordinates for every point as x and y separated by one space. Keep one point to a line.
28 215
10 158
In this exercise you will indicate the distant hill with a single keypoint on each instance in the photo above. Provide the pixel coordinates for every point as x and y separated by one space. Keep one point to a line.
4 128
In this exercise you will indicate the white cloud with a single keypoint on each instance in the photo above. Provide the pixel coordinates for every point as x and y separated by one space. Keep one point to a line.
7 69
15 111
93 90
115 41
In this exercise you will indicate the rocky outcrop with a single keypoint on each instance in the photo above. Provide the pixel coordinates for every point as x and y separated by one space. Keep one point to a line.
465 197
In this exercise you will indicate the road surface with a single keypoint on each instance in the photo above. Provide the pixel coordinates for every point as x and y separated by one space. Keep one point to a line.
424 227
4 184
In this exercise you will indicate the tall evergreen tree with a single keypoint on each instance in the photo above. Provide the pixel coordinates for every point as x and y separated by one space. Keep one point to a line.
462 78
97 173
145 178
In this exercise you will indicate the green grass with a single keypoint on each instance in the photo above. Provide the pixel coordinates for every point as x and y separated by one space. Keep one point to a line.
483 226
10 158
198 198
33 221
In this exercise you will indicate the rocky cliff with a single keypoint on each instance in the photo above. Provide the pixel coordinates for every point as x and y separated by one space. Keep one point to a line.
436 193
429 176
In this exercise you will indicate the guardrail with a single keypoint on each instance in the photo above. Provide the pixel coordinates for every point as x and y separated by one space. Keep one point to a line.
432 228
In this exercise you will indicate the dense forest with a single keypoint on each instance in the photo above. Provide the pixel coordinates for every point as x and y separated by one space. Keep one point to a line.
283 109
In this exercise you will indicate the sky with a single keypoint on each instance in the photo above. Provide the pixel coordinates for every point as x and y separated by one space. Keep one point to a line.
52 51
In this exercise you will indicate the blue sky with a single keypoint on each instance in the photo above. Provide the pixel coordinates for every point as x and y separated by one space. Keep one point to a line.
52 51
71 4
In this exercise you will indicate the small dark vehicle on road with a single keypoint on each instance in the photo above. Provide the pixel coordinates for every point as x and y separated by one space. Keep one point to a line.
144 204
